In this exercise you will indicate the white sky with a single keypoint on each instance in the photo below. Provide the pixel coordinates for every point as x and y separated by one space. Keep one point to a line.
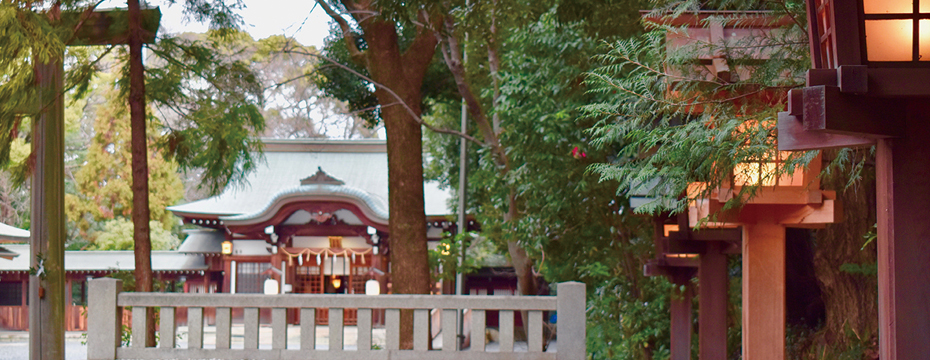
263 18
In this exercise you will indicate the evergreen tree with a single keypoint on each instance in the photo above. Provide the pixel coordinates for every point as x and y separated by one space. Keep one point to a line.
671 120
103 190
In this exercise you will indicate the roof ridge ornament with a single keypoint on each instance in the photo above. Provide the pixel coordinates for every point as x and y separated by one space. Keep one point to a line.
321 178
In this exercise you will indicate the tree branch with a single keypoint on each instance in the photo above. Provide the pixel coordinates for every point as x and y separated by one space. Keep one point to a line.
347 34
400 101
453 58
494 63
420 52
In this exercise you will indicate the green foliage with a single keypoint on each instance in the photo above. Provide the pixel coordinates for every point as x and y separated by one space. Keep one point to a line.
445 259
103 184
216 100
117 235
673 121
574 226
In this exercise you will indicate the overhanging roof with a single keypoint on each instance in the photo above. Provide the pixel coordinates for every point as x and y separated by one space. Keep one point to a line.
372 207
110 260
13 234
7 254
202 242
361 164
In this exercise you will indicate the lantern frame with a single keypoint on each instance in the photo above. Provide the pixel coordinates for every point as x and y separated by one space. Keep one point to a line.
840 29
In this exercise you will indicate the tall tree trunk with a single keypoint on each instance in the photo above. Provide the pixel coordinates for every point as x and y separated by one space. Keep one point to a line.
403 74
850 299
140 167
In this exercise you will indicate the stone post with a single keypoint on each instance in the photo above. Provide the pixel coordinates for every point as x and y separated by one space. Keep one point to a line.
104 320
571 310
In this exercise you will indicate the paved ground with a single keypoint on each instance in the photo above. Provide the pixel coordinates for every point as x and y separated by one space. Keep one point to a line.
14 345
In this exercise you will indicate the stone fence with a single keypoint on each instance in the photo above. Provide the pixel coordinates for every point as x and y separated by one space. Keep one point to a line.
105 328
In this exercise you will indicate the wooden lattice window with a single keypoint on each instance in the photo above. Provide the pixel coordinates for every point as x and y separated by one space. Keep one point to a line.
249 277
308 280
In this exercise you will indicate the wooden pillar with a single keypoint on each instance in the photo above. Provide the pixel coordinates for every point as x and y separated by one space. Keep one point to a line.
47 245
903 195
712 303
764 291
681 314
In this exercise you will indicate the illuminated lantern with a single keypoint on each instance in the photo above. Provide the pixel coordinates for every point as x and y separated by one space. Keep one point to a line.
227 248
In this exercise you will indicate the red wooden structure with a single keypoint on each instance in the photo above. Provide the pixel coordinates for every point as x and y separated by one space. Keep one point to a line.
870 84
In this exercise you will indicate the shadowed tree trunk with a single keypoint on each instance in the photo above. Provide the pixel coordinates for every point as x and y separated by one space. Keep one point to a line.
850 295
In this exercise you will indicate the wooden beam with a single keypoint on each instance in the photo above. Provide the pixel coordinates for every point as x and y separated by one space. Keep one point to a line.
827 109
681 316
730 234
902 170
830 212
109 26
793 137
47 290
899 82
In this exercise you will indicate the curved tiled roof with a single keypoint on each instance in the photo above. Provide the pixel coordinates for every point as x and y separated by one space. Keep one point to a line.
361 164
375 205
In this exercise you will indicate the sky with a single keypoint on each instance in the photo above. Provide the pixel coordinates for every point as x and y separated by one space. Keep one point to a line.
263 18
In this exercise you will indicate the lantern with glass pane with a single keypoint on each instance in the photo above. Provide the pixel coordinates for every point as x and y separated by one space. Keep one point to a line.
875 46
870 32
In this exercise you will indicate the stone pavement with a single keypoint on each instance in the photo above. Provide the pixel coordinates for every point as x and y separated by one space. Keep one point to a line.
14 345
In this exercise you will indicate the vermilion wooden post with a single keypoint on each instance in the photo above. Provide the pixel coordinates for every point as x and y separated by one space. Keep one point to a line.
764 290
903 207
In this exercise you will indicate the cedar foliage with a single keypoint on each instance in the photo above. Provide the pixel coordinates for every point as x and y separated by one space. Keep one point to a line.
672 122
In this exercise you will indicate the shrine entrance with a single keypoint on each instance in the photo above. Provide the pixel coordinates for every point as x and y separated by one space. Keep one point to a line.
330 270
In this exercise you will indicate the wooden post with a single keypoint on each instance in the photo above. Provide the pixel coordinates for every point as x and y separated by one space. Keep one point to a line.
47 285
764 291
902 170
681 314
712 304
47 245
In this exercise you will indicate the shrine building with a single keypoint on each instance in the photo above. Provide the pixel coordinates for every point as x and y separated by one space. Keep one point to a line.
311 219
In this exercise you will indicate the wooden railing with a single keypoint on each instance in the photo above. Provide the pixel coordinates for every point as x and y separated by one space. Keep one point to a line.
104 330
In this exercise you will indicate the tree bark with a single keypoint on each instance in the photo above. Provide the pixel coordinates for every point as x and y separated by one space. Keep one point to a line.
140 168
403 73
850 299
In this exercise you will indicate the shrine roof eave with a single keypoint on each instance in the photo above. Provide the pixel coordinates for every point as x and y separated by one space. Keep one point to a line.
10 234
371 207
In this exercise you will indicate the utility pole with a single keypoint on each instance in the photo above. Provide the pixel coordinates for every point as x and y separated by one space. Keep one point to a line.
462 221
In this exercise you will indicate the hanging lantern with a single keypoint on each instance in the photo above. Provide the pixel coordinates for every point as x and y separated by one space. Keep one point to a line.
227 248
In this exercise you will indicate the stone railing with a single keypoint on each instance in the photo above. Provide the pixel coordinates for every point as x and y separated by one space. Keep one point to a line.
105 330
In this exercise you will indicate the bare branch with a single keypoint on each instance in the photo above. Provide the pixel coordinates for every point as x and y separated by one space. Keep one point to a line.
400 101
